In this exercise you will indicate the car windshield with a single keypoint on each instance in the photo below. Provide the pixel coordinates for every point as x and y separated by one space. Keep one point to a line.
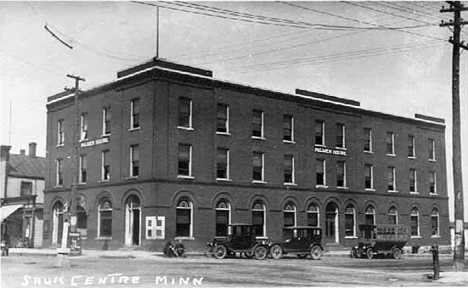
239 230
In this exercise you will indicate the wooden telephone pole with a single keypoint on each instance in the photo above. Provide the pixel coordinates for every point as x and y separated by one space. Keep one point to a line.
459 250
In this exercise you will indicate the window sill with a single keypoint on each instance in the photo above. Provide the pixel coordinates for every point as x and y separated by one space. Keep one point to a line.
58 186
370 189
416 237
184 238
391 155
289 141
258 182
105 135
261 237
82 184
185 177
103 238
432 160
290 184
134 129
320 145
224 179
435 236
342 187
258 138
60 145
341 148
321 186
223 133
131 178
351 237
433 194
392 191
412 157
368 152
414 192
185 128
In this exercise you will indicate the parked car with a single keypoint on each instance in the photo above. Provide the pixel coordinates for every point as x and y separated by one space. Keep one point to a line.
240 239
300 240
380 239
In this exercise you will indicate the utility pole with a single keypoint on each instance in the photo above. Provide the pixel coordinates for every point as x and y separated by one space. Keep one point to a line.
459 249
157 32
75 156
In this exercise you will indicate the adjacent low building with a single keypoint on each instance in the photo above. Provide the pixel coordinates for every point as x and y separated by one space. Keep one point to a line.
169 152
22 197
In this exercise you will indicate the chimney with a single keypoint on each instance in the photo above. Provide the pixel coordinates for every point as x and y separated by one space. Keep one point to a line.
32 149
5 153
22 152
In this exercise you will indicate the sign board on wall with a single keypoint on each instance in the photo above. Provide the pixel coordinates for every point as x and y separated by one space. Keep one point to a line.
331 151
155 227
94 142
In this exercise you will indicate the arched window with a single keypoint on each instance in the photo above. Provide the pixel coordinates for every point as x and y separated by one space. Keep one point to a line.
57 223
289 214
313 214
184 222
350 221
435 222
82 216
370 215
393 216
258 218
415 222
223 217
105 218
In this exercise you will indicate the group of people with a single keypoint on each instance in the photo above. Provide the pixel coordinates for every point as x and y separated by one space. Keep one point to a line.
177 250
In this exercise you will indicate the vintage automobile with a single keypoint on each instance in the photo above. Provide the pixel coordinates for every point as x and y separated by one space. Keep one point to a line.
380 239
240 239
300 240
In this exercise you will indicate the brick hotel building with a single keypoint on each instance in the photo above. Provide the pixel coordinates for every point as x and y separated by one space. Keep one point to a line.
169 152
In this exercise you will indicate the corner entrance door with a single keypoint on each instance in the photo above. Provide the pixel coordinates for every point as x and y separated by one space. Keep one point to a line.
132 220
57 223
332 234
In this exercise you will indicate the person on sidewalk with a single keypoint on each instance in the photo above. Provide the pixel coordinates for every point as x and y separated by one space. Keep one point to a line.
5 244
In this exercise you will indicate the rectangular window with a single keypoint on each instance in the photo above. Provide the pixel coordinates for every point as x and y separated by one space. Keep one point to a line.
340 135
26 188
288 169
320 172
432 183
414 224
257 123
134 161
222 118
185 112
105 166
222 163
341 173
350 222
60 133
84 126
390 143
319 132
411 146
435 224
59 173
288 128
257 165
185 160
106 121
413 179
367 140
135 113
432 150
391 182
83 168
369 177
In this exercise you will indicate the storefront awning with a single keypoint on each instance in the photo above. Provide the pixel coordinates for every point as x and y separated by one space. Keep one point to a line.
8 210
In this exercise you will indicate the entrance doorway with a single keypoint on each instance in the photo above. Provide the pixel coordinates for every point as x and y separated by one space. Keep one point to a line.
332 232
132 220
57 223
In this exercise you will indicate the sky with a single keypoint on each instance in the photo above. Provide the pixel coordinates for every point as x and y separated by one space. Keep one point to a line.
343 49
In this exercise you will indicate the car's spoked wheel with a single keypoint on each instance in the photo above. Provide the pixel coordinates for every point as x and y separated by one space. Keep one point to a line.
396 253
316 253
369 253
260 252
219 252
276 251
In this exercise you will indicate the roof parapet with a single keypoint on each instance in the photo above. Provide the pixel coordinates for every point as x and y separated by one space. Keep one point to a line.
158 62
327 97
429 118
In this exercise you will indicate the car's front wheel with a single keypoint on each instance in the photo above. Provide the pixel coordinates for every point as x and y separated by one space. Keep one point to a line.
219 252
316 252
276 251
396 253
260 252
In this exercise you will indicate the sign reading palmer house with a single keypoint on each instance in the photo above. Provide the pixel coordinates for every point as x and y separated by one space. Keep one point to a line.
330 151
